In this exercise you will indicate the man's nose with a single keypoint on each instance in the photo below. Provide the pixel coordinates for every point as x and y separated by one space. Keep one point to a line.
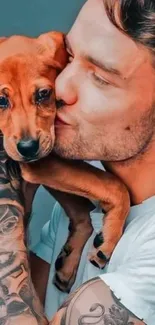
28 148
65 87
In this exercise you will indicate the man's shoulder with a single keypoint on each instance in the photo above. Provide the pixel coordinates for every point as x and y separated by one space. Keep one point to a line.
137 242
141 223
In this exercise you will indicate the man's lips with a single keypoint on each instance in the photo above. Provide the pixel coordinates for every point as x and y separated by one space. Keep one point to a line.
60 121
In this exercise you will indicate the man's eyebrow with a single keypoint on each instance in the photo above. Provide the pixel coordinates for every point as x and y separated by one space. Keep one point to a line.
94 61
103 66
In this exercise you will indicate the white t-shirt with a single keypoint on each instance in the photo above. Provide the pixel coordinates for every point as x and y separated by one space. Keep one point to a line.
131 271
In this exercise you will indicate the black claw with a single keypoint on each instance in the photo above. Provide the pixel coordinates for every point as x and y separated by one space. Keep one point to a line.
67 250
98 240
58 279
63 282
59 263
55 283
61 285
70 227
94 263
102 256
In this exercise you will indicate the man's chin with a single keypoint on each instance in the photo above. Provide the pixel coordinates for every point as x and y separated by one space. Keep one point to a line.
61 152
65 152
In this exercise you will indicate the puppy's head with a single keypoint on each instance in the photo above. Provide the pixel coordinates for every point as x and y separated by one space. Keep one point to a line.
28 69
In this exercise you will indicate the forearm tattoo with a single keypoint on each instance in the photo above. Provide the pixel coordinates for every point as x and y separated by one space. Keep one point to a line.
115 315
18 301
100 305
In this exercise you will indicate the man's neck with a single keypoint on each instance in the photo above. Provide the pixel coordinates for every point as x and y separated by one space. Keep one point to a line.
137 174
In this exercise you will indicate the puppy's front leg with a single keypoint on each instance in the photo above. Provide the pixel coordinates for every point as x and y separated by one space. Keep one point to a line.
82 179
80 228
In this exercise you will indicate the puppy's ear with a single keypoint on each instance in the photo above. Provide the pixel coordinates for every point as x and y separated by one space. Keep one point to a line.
52 49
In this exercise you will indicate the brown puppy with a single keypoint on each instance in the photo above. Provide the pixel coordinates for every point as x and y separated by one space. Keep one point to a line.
28 69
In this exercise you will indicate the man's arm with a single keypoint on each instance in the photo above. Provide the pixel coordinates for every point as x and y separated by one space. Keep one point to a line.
94 303
18 301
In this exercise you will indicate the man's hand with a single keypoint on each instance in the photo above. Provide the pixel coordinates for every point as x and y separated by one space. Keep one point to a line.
18 301
94 303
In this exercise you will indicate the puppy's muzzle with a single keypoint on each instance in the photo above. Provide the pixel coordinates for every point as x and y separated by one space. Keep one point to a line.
28 148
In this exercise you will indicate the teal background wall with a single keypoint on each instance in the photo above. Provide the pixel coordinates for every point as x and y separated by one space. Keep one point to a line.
33 17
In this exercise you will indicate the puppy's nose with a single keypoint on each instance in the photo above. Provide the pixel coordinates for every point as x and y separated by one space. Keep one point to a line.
28 148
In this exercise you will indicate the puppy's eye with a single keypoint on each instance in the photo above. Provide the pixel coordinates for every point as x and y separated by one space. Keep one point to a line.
4 102
43 95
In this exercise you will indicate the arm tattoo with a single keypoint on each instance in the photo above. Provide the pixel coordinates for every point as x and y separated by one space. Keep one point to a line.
106 310
18 301
115 316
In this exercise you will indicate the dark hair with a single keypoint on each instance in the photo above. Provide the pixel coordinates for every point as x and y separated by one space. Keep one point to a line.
134 17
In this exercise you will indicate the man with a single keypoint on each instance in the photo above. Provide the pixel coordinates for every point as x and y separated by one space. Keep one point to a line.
106 111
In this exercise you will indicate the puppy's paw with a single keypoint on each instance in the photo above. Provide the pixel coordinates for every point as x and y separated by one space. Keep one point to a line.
98 240
60 261
98 258
66 267
101 252
62 282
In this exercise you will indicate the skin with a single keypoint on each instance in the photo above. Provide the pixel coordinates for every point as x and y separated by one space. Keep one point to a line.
88 305
109 117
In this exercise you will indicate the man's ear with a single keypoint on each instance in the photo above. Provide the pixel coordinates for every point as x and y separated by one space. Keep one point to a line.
52 49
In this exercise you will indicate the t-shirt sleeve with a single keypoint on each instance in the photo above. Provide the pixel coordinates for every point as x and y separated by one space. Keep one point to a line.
45 247
134 281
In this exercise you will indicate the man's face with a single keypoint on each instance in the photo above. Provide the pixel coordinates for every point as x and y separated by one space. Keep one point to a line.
106 91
